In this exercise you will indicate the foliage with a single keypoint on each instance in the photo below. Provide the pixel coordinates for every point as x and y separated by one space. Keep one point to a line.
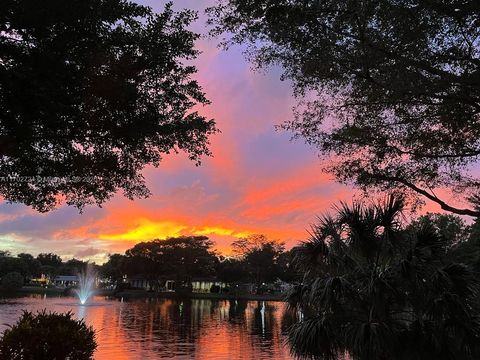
468 251
73 267
114 268
286 269
11 264
46 336
25 264
260 256
389 89
49 259
377 291
463 240
231 270
12 281
31 265
178 258
91 92
48 264
451 228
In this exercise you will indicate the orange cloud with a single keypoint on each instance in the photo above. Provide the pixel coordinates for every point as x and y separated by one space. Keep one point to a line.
147 230
217 230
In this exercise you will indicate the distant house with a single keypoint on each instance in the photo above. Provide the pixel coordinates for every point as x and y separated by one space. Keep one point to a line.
65 280
199 285
41 281
205 285
138 282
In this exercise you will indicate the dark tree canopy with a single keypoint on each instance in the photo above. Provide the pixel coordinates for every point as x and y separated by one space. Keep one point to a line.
390 90
179 258
49 265
232 270
451 228
114 268
92 91
260 257
49 259
12 281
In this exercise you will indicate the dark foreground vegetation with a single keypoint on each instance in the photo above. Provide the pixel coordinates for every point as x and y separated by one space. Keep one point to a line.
380 289
389 91
48 336
91 92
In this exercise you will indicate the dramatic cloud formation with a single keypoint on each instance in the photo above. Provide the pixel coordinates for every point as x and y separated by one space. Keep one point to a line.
257 182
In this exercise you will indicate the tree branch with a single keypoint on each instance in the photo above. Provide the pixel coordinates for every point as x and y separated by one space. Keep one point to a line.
443 204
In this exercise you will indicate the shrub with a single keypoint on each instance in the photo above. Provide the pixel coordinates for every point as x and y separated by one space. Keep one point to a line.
47 336
12 281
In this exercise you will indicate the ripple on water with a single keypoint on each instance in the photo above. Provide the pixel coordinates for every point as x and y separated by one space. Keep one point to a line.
166 328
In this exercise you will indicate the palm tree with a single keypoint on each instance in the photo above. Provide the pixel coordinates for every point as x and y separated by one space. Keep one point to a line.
377 291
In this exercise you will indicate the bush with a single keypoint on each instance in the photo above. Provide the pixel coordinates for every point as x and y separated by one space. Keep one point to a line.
47 336
12 281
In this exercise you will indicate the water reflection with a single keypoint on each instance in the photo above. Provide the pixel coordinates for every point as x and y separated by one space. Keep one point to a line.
165 328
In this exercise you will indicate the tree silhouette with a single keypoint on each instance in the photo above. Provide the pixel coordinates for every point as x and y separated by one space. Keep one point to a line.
49 259
92 91
114 268
378 291
390 90
177 258
259 256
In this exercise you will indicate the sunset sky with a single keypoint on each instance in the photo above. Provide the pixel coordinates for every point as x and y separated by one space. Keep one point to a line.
258 181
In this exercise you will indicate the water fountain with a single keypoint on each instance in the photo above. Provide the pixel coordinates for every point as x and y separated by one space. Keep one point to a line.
86 284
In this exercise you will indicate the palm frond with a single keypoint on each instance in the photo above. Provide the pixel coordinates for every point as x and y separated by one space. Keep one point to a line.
315 338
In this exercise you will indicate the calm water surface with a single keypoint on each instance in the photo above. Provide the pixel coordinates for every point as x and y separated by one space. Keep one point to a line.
164 328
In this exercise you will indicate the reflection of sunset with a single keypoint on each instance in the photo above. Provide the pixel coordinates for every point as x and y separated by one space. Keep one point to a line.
267 341
154 328
196 328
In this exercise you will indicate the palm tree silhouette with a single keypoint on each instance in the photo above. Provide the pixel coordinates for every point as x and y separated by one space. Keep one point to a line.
374 289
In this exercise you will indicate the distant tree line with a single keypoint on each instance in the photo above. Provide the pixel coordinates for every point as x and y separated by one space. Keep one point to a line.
26 267
256 260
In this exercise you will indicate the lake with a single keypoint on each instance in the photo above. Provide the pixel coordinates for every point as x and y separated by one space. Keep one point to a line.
165 328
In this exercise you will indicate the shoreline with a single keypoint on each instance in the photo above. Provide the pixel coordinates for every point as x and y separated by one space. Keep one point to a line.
212 296
139 294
